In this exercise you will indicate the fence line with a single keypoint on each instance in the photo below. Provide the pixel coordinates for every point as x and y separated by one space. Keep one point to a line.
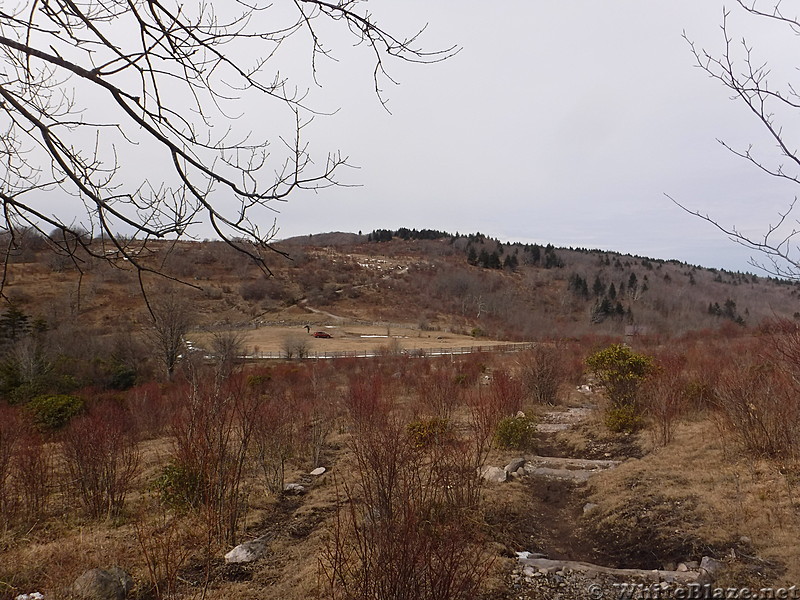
414 352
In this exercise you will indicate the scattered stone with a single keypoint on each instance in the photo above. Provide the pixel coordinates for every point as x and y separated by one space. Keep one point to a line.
103 584
589 507
520 415
494 474
318 471
295 489
692 565
247 552
31 596
515 465
552 568
744 539
682 568
526 554
710 565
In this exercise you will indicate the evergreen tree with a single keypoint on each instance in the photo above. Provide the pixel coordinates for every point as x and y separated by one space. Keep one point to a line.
536 254
14 323
598 287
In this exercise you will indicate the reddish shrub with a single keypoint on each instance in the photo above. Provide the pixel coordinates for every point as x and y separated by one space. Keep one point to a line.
9 438
33 475
102 458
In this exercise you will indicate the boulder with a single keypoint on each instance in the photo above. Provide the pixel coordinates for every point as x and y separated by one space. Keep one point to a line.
318 471
514 465
103 584
247 552
589 507
294 489
494 474
711 565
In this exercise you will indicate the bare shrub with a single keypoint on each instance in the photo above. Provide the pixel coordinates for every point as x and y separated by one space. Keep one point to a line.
166 544
259 289
212 434
102 459
228 349
758 404
9 437
364 400
543 372
408 528
149 410
441 392
295 346
506 392
33 475
317 412
663 397
275 438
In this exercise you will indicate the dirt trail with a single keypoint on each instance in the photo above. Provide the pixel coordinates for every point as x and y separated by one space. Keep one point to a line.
557 488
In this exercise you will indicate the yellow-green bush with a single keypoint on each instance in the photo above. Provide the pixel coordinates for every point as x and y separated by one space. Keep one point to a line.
54 411
425 432
516 433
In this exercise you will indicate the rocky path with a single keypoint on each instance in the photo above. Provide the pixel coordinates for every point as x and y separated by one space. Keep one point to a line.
561 562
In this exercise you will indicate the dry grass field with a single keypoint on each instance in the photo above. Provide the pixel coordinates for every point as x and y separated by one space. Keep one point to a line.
709 466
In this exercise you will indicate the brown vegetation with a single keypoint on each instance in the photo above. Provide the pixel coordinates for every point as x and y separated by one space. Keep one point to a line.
163 475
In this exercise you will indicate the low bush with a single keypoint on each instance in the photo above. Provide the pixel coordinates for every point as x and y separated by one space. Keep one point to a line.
623 419
425 432
178 486
54 411
516 433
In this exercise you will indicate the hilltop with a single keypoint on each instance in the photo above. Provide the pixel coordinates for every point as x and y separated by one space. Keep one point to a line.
431 280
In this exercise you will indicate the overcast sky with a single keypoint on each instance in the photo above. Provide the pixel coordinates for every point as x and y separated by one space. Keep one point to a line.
561 122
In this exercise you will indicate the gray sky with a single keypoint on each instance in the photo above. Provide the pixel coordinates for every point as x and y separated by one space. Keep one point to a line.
562 122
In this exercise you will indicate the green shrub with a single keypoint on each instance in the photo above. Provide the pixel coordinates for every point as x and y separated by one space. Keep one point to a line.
623 419
428 431
516 433
620 370
178 486
54 411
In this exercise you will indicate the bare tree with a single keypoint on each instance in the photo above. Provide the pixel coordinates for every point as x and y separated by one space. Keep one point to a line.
752 82
228 348
171 319
295 345
89 89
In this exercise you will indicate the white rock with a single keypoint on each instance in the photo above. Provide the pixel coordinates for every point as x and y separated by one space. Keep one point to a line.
318 471
247 552
294 488
589 507
494 474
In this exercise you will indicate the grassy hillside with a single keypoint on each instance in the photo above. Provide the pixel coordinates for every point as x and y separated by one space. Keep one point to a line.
111 455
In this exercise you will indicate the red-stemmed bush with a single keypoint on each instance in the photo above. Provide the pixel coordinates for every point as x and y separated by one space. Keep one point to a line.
102 458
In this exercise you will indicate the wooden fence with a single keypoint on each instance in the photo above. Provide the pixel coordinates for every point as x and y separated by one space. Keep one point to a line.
418 352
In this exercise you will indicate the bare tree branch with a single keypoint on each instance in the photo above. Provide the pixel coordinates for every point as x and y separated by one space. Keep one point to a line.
95 92
751 83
